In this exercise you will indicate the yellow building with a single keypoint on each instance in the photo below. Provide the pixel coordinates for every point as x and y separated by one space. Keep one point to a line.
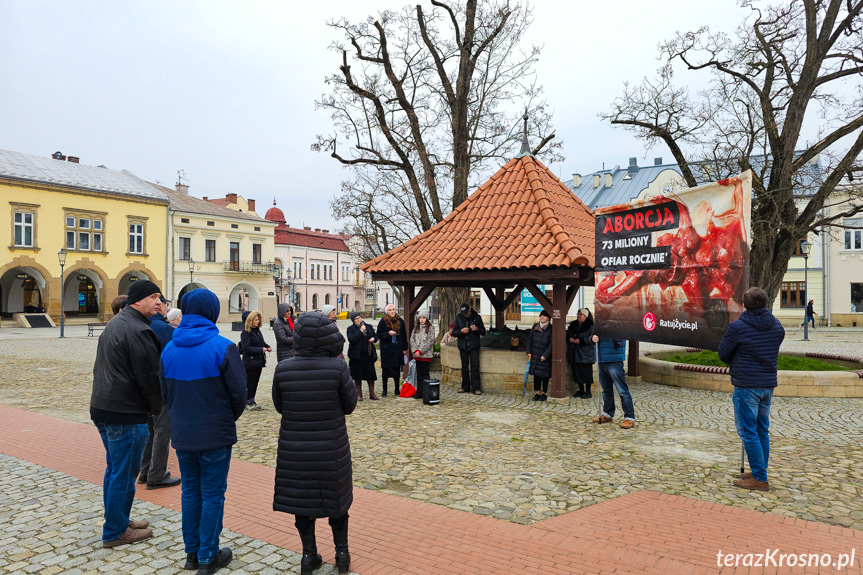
110 223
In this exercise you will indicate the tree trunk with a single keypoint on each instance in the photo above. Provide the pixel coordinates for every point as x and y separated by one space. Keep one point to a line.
450 301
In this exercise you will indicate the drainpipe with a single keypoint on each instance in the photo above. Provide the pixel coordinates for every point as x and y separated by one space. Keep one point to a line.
338 272
168 245
825 257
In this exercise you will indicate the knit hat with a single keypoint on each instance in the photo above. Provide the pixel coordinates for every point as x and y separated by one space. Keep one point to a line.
584 311
423 313
545 313
141 289
173 314
327 309
354 315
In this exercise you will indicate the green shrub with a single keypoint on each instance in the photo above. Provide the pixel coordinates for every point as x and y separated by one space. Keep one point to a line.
786 362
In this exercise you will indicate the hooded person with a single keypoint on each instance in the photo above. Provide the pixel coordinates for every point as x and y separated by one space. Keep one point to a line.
254 350
313 391
538 348
362 354
204 385
283 329
581 352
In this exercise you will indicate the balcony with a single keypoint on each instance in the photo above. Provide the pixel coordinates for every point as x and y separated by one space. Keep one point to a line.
249 267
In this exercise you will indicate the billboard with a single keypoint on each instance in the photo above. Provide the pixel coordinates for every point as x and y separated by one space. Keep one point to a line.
672 269
529 304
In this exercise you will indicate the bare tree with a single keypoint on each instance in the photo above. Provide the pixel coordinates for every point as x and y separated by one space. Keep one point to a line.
787 65
424 105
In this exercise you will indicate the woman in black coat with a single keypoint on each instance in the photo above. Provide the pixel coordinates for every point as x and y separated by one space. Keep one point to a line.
283 329
362 354
254 350
581 352
393 336
314 392
538 347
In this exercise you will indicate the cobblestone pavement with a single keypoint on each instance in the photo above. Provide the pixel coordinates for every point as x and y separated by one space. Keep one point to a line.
523 462
52 523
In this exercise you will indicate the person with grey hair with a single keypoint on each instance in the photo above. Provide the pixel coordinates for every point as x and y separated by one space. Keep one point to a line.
393 336
422 349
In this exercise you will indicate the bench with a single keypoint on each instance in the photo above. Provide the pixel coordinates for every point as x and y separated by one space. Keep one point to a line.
93 326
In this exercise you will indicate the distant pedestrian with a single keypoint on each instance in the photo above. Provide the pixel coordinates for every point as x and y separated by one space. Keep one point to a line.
422 349
125 391
538 347
810 313
611 354
254 350
581 352
283 329
314 392
448 336
393 336
469 329
204 385
750 347
362 354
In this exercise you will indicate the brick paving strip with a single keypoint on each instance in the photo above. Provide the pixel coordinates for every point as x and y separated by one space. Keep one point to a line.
643 532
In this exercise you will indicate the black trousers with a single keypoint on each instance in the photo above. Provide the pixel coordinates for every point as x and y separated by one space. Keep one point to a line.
388 372
540 383
253 376
423 368
470 370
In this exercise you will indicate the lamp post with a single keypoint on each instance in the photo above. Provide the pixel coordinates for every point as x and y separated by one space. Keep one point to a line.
191 271
277 280
805 248
290 288
61 256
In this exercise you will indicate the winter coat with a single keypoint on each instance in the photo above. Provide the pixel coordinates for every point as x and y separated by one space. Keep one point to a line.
539 345
164 330
202 378
611 350
471 339
392 352
810 309
314 391
422 340
284 334
126 371
751 347
583 351
252 344
358 342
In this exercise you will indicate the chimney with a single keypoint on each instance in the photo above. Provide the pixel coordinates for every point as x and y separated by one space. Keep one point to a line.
608 180
183 189
576 180
317 229
59 156
596 180
307 228
231 198
657 161
72 159
633 166
205 199
251 205
326 231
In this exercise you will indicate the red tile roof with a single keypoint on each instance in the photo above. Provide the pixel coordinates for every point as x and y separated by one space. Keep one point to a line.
224 202
304 238
522 217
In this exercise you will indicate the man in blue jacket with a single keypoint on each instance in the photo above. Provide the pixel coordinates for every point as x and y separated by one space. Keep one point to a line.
751 347
204 386
610 354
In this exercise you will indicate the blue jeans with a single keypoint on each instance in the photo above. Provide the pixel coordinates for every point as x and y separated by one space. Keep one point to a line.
752 418
205 479
124 447
808 319
612 373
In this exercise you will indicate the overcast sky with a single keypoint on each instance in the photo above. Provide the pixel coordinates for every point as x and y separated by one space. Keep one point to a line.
226 90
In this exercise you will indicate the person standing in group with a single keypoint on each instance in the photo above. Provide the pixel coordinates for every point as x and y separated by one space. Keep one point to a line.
362 354
174 317
204 385
580 352
750 347
810 314
125 391
313 392
393 336
254 350
538 348
283 328
329 311
469 329
154 464
422 348
612 353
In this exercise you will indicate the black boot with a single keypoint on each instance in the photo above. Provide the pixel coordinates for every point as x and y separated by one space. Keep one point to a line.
580 392
340 538
311 559
587 394
191 562
222 559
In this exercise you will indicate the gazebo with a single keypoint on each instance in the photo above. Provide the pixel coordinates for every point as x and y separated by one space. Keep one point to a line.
521 229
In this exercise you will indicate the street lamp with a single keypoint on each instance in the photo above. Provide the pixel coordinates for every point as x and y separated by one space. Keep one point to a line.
290 288
61 256
277 280
191 270
805 248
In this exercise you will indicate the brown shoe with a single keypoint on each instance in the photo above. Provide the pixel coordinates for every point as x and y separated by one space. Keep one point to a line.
627 424
463 391
372 395
747 475
477 392
142 524
752 483
359 391
130 536
604 419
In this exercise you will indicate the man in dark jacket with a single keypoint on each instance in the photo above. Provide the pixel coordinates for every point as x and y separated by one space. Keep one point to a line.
468 329
751 347
125 390
314 392
283 328
610 354
204 385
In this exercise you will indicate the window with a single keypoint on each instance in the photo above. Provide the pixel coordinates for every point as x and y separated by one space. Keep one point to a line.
211 223
856 298
327 299
792 295
314 301
235 226
298 269
235 256
257 228
346 273
474 300
23 229
184 220
319 271
84 231
256 253
854 237
136 238
185 249
210 250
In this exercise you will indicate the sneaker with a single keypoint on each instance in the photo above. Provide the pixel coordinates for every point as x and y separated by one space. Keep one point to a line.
536 397
604 419
222 559
142 524
544 397
130 536
252 406
142 479
627 424
752 483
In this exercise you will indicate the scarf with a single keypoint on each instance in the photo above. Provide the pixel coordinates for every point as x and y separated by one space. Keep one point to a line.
393 324
291 323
